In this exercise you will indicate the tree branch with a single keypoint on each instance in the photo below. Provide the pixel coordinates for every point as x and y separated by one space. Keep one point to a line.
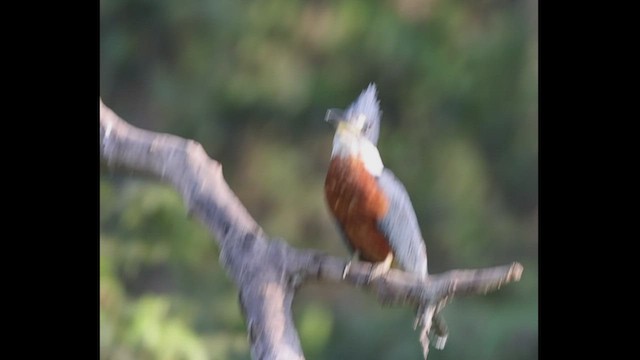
267 271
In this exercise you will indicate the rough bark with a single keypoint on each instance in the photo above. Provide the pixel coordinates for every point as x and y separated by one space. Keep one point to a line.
268 271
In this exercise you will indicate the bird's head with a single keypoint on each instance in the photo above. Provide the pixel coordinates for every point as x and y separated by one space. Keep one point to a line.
362 117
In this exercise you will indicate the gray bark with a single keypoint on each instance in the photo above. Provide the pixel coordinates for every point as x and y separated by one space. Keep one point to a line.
268 271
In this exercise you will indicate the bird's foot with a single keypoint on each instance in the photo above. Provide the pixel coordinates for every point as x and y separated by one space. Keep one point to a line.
354 258
381 268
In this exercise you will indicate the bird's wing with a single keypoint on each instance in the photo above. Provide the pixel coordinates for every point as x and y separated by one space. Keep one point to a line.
400 226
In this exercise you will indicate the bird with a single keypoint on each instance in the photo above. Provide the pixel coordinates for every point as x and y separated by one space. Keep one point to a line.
370 205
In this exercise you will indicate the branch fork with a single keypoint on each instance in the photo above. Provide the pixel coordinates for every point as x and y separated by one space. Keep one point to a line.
268 271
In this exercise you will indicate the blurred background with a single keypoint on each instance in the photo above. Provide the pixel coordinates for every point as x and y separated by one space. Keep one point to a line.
251 81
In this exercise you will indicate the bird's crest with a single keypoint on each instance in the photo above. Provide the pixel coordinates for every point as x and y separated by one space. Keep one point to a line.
368 106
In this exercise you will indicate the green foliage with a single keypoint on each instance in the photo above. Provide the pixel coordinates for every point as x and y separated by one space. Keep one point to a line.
251 82
315 327
162 293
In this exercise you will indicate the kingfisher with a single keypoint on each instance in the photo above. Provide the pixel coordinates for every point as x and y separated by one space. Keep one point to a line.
370 205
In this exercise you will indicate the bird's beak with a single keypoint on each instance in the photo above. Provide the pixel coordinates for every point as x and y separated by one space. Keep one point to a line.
334 116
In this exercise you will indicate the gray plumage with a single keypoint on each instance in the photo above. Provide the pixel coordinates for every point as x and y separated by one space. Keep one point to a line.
400 226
